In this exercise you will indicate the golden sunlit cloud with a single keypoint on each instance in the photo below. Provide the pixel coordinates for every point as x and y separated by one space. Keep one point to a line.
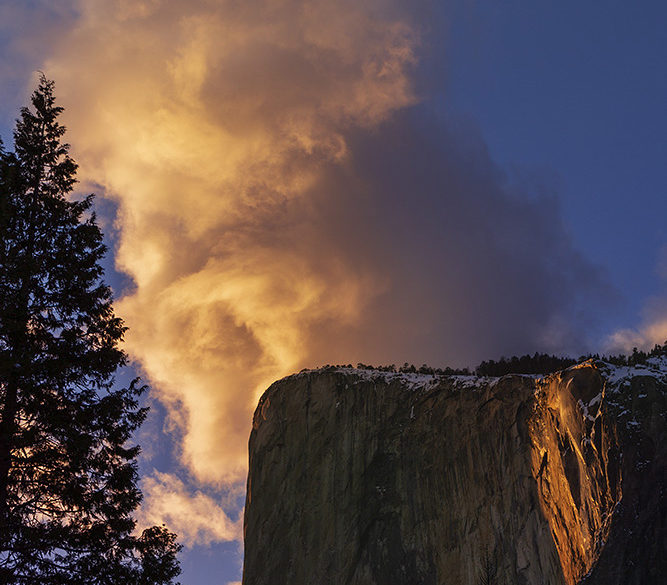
208 122
653 331
625 340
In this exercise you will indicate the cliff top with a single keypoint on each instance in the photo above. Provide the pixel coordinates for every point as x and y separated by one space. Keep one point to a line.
615 375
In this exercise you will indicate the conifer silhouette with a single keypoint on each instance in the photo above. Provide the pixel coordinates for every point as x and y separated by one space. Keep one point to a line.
68 477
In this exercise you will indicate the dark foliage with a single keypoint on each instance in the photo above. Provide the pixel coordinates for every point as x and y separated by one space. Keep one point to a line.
546 364
67 474
407 368
637 357
539 363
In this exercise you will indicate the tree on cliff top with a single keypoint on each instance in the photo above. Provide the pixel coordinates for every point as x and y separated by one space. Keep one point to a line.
67 474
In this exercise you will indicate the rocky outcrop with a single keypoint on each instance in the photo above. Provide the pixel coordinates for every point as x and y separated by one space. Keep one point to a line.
365 477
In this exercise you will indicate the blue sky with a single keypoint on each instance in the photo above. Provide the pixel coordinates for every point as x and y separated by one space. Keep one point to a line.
527 162
577 91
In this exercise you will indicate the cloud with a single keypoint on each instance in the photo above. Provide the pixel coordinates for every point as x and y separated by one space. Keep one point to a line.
651 331
197 518
652 328
464 268
287 199
625 340
209 124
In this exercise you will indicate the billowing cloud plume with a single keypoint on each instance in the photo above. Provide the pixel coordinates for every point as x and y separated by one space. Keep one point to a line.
285 200
210 124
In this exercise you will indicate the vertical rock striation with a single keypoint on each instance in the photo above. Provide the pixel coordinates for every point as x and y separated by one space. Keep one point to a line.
365 477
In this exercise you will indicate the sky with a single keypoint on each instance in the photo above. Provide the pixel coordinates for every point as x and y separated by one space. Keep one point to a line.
287 184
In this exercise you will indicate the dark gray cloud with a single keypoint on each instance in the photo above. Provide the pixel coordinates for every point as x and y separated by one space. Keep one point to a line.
466 267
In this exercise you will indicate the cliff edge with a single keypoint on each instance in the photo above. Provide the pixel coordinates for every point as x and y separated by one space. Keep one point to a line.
375 478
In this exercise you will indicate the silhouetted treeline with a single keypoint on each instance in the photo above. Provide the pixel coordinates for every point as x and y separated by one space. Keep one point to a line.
542 363
538 363
407 368
637 356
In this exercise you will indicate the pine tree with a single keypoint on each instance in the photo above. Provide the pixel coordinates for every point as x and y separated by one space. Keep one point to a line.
68 477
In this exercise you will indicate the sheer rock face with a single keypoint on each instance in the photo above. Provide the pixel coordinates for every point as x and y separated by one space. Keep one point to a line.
363 477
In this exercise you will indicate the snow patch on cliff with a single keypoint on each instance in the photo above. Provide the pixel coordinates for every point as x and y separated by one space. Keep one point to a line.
411 380
618 377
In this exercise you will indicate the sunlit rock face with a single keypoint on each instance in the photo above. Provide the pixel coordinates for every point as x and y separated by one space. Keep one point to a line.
365 477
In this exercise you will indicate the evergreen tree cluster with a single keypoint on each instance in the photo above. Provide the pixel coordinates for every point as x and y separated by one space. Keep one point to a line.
407 368
538 363
637 357
68 473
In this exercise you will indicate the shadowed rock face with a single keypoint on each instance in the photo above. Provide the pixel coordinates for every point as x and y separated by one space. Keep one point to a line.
363 477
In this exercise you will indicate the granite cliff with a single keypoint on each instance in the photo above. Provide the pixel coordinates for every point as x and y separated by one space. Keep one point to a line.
373 478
